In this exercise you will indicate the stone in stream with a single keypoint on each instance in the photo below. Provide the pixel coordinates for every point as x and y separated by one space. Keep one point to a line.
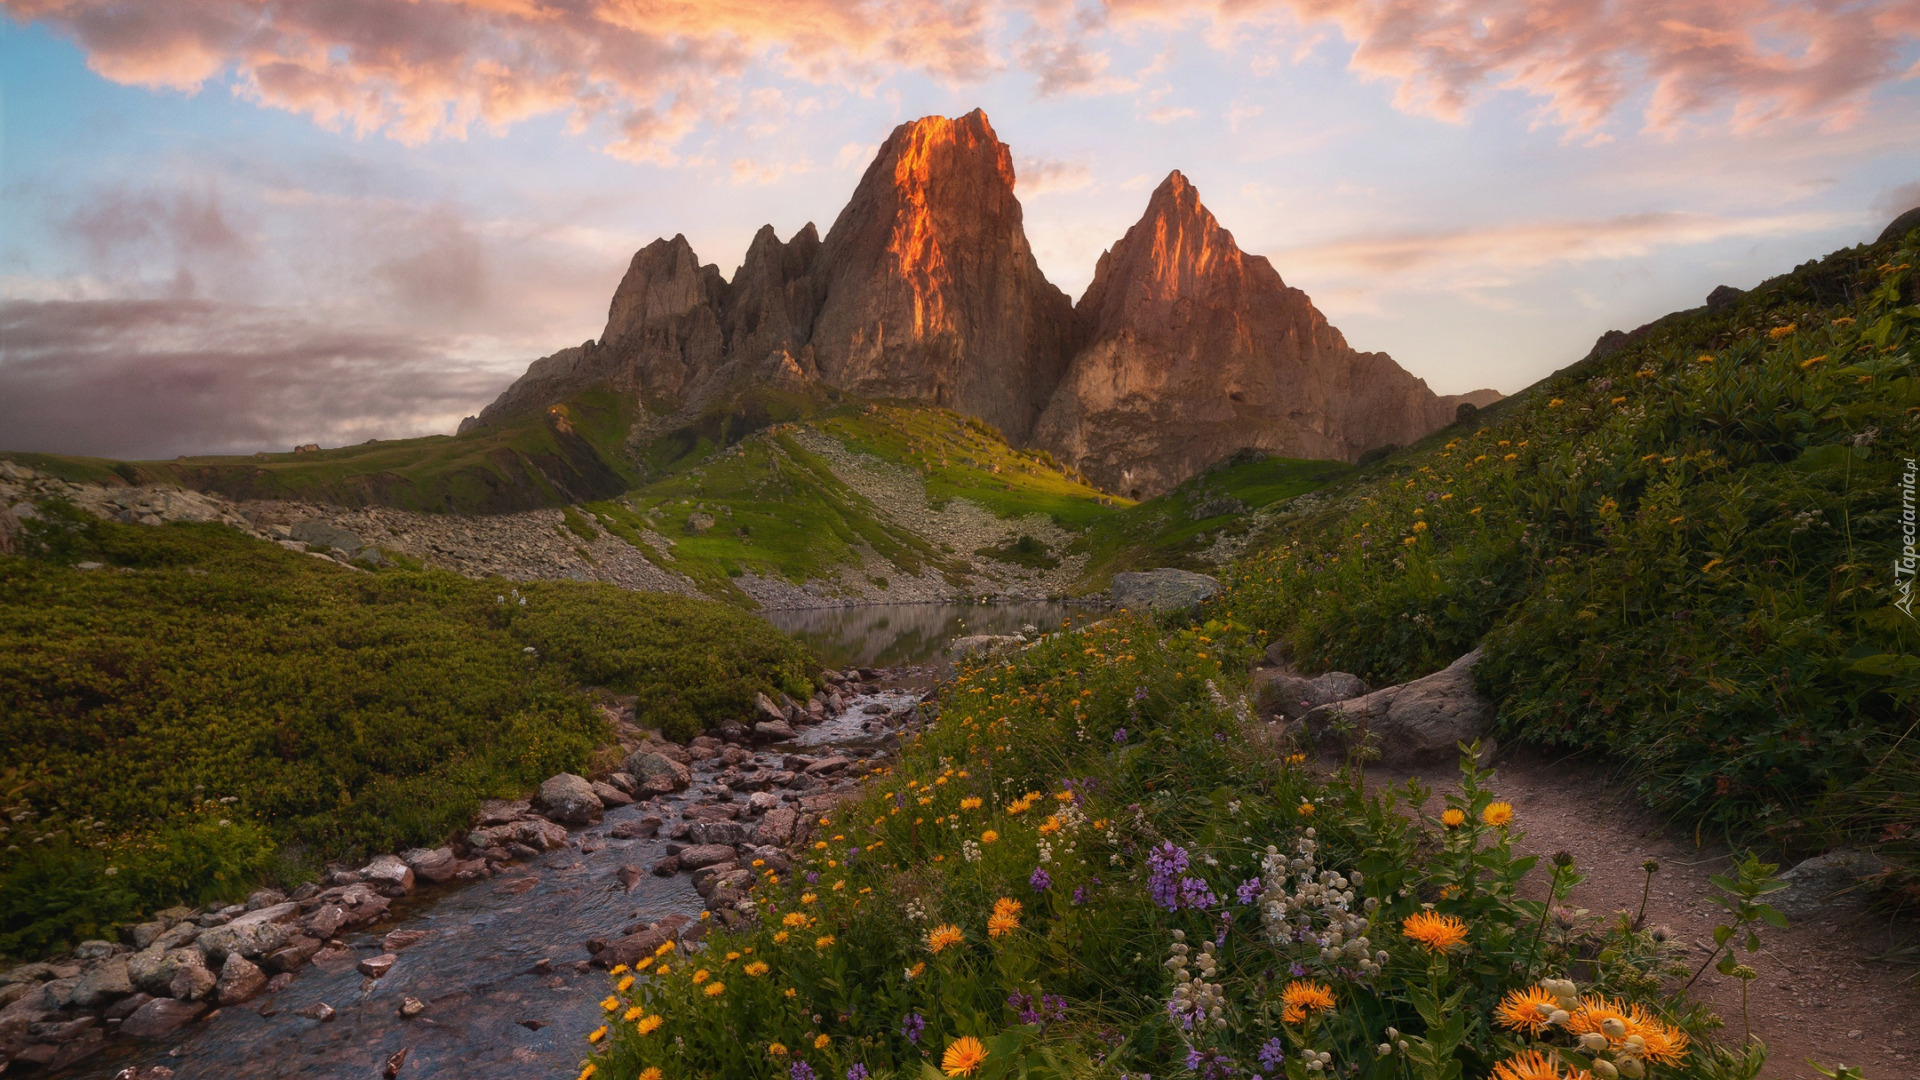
693 858
631 948
411 1007
568 798
762 801
240 980
643 829
373 967
153 968
657 773
716 832
777 827
624 782
398 940
610 795
628 875
105 982
191 983
667 867
319 1011
252 935
773 731
161 1017
431 864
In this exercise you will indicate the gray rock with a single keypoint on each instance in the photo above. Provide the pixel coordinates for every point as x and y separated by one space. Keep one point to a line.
321 534
1823 882
611 795
716 832
1162 590
773 731
104 982
96 950
777 827
153 970
569 798
765 709
252 935
699 855
1225 504
388 875
983 645
192 982
502 811
240 980
141 935
762 801
161 1017
657 773
320 1012
265 898
1293 696
1419 722
431 864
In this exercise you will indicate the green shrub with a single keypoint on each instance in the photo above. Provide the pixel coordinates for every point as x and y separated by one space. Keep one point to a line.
202 677
1680 552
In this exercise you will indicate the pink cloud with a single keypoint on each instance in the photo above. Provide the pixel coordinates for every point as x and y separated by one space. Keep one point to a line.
644 73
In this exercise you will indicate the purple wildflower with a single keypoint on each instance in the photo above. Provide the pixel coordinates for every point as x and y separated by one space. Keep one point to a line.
913 1027
1164 865
1194 893
1272 1054
1194 1058
1249 890
1119 734
1053 1006
1141 693
857 1072
1296 971
1040 881
800 1070
1023 1004
1079 894
813 877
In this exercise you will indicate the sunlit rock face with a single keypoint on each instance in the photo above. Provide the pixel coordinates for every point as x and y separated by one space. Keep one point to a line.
928 288
1194 349
1183 350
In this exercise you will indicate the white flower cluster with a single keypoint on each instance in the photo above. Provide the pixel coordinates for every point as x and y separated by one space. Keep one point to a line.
1196 1000
915 911
1043 851
1317 1061
970 849
1301 902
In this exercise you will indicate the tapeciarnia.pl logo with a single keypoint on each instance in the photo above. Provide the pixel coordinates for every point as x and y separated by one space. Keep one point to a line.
1904 566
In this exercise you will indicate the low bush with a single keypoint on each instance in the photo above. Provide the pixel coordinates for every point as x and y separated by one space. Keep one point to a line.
1093 864
204 710
1683 552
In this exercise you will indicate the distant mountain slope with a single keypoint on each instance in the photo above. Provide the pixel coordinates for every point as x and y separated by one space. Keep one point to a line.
1194 349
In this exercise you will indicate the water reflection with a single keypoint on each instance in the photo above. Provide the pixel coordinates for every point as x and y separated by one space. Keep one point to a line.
886 635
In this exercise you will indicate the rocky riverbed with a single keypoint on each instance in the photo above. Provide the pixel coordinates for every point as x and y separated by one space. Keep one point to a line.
477 958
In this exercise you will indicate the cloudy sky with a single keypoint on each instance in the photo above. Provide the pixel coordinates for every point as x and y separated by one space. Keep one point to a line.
243 224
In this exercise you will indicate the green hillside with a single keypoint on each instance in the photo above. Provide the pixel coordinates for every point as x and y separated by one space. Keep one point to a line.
203 710
1681 552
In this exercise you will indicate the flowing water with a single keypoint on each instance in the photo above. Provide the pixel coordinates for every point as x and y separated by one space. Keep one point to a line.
493 1010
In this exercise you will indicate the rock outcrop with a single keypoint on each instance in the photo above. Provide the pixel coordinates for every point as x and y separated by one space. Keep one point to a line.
1183 351
1194 350
1422 722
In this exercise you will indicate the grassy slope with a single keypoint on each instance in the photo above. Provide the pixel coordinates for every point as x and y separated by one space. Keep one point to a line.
211 709
1680 552
1164 531
780 512
566 454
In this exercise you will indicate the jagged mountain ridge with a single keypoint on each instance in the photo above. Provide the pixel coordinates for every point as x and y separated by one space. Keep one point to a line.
1182 351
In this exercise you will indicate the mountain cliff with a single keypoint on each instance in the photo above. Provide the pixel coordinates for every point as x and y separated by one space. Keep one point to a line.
1194 350
1183 350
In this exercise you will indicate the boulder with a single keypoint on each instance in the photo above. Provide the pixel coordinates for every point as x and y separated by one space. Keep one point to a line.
374 967
432 864
161 1017
104 982
502 811
1163 590
296 952
1420 722
699 855
1823 882
240 980
777 827
322 534
153 970
265 898
570 799
191 982
388 875
658 774
611 796
646 827
983 645
623 782
762 801
764 710
773 731
631 948
1293 696
717 832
